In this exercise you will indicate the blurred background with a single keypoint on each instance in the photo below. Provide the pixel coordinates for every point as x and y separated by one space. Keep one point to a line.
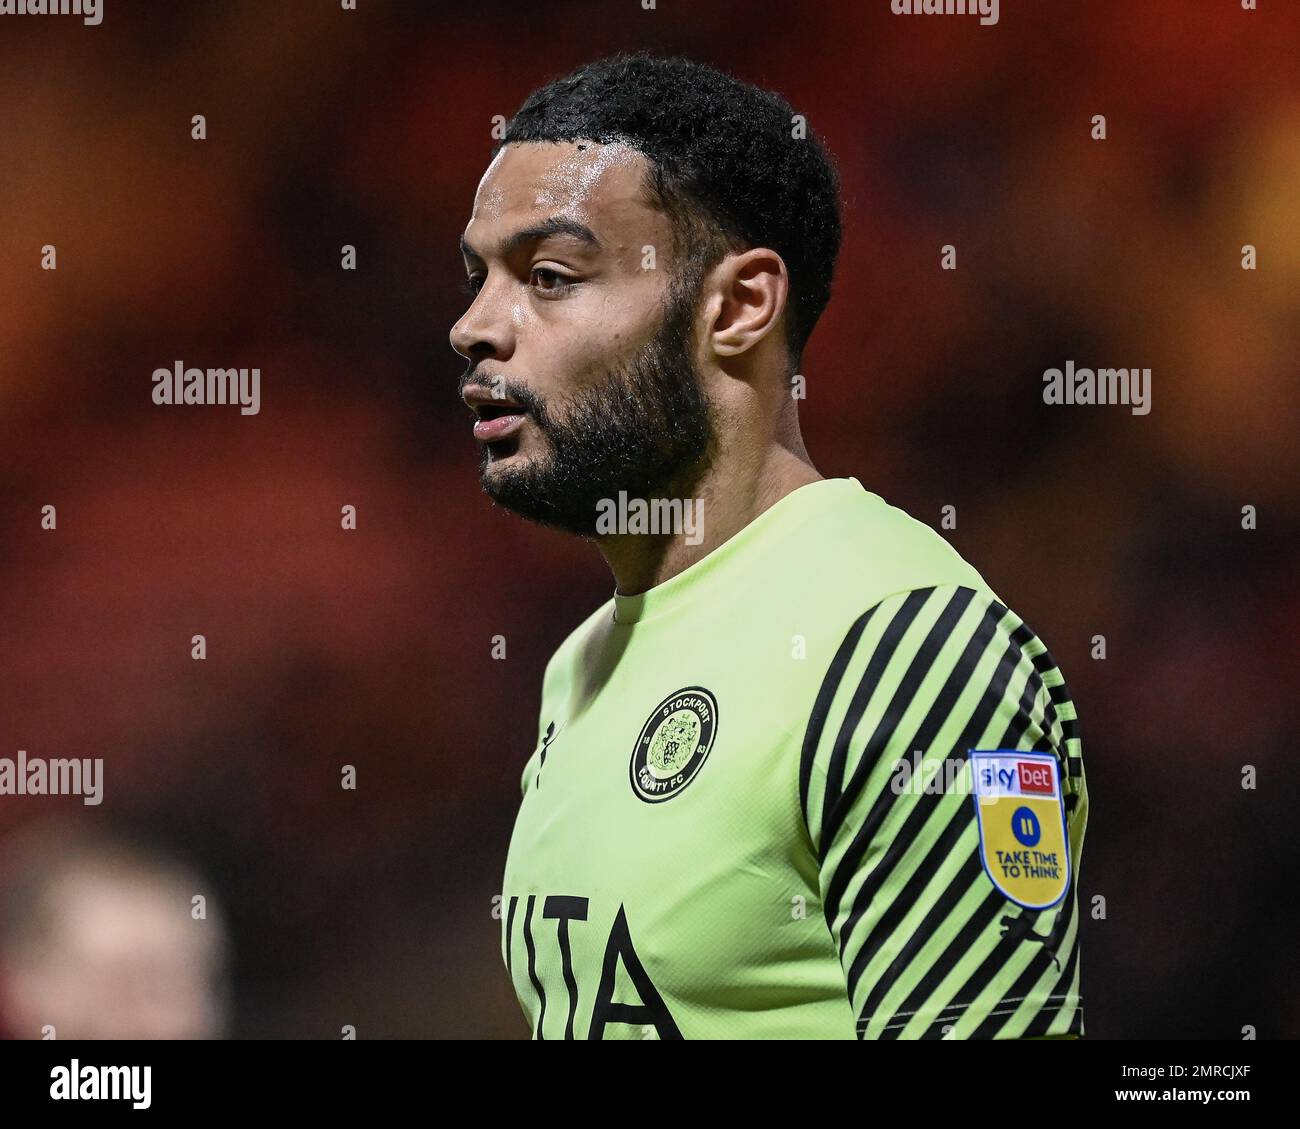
371 648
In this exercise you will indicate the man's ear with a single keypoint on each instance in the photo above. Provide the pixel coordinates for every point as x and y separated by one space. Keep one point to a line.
750 290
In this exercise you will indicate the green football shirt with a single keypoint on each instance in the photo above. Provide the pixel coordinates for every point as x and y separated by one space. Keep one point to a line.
820 784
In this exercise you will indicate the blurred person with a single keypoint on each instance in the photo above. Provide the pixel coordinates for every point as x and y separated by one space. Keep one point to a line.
98 941
729 827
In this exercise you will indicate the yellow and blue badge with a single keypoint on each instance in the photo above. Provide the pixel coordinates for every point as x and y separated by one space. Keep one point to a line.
1021 816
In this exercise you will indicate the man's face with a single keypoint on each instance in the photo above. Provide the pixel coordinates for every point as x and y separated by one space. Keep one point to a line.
117 961
580 346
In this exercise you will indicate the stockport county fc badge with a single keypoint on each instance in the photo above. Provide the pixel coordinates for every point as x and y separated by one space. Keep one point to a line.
674 743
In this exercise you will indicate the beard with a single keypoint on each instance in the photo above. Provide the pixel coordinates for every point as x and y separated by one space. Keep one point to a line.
647 429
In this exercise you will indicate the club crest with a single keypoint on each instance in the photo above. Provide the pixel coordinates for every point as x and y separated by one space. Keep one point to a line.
673 744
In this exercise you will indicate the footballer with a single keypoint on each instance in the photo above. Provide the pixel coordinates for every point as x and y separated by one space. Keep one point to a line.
803 775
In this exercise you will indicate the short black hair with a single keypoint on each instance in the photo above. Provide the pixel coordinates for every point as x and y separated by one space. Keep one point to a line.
725 165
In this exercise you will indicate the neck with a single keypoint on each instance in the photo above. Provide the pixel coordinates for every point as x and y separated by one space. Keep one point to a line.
740 483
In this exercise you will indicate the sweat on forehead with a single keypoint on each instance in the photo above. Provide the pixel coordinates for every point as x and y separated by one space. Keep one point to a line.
575 178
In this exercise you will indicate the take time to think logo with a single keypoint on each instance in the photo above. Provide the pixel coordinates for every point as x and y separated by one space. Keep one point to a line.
1024 848
673 745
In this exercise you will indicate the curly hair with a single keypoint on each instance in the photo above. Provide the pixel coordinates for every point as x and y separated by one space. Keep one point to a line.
724 165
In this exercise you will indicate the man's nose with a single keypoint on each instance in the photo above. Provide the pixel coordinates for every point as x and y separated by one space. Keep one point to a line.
484 330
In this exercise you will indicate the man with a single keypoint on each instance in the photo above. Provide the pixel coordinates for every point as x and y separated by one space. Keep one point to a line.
803 775
98 940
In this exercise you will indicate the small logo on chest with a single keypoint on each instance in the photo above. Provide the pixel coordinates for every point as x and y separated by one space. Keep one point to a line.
674 743
546 744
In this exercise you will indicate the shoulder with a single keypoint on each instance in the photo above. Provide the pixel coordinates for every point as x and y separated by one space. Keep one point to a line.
560 667
865 554
936 670
953 645
893 551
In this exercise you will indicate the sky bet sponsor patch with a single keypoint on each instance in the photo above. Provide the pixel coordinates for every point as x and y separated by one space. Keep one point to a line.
1022 825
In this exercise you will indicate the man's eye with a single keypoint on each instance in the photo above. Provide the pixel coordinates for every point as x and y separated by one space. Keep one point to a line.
550 280
472 285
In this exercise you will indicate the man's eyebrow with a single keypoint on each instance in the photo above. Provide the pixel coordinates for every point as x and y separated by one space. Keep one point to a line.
556 225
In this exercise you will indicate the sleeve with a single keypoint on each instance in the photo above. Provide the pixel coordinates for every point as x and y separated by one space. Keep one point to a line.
942 786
